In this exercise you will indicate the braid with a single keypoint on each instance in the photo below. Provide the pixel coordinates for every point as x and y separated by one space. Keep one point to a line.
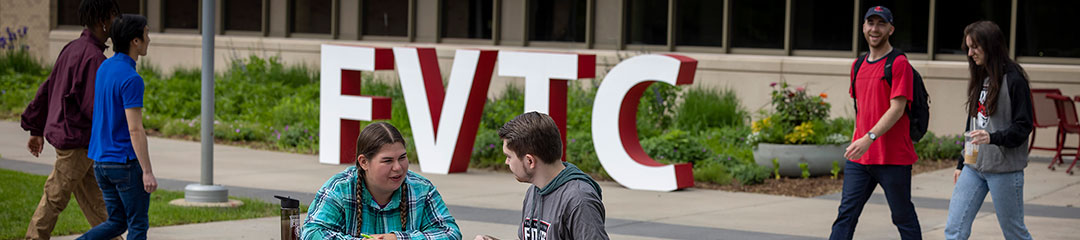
359 200
404 206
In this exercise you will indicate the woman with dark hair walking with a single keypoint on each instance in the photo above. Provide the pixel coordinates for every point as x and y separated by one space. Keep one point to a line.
999 120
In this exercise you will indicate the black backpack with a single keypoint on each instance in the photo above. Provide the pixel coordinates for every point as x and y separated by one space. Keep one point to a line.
919 110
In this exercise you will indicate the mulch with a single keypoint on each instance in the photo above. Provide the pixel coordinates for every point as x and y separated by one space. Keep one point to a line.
814 186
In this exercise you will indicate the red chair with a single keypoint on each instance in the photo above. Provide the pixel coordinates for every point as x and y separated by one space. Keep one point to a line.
1068 123
1046 115
1077 156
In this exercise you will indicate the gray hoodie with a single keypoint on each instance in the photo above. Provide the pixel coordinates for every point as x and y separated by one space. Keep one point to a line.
1009 127
567 208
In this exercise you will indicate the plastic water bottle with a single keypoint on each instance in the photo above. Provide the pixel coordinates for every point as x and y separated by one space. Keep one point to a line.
290 218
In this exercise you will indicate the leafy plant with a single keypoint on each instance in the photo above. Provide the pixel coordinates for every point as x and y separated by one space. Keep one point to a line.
656 110
799 118
795 106
675 146
933 147
704 108
835 170
776 168
748 174
805 170
712 172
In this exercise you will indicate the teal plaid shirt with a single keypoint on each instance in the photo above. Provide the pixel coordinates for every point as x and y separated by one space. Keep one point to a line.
332 214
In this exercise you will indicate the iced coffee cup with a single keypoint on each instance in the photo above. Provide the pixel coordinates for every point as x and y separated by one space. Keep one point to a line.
971 151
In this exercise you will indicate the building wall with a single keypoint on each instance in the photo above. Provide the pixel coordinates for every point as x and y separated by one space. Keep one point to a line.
32 14
748 75
747 71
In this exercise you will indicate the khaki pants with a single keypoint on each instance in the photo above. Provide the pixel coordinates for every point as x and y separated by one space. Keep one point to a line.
72 173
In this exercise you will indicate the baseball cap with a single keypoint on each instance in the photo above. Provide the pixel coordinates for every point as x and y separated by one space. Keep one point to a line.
881 11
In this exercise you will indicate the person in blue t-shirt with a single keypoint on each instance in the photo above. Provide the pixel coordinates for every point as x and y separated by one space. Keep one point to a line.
117 137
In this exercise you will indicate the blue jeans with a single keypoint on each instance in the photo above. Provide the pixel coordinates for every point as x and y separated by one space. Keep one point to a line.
859 183
1007 191
125 199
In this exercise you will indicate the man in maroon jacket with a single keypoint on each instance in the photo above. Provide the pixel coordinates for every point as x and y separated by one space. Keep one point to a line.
61 113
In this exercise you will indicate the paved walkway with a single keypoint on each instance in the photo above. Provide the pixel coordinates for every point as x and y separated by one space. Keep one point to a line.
490 202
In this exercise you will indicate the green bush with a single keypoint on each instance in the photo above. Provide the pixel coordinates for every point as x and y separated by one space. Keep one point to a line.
238 131
675 146
656 110
712 173
933 147
180 127
581 152
487 152
749 174
20 77
704 108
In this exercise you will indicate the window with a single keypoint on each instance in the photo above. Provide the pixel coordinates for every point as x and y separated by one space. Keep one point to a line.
67 11
181 14
911 20
386 18
467 18
646 22
699 22
311 16
1039 31
757 23
557 20
129 6
243 15
953 16
822 25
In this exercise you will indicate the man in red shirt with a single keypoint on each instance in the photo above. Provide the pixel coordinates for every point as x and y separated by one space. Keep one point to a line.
882 150
61 113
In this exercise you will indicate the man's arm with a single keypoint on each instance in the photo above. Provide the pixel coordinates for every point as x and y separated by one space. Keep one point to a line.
33 117
896 110
138 142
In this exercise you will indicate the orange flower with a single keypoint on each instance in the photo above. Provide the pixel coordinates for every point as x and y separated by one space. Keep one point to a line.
822 102
824 95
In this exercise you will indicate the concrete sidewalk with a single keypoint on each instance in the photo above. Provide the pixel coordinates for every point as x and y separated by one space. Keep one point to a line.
490 202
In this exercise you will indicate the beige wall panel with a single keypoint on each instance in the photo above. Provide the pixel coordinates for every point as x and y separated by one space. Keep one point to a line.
35 16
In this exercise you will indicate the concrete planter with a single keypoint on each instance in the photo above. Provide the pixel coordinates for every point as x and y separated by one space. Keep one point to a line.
819 158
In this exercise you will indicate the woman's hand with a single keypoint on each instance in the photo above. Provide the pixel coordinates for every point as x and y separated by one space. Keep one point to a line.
979 137
956 175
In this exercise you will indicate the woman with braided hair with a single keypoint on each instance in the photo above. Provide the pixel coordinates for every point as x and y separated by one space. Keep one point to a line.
379 198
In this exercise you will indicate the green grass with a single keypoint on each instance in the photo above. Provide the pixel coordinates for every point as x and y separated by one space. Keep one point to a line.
22 191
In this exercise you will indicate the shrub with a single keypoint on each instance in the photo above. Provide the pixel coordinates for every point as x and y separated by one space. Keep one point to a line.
581 152
181 127
712 173
239 131
799 119
933 147
299 138
487 152
675 146
795 106
748 174
704 108
20 76
656 109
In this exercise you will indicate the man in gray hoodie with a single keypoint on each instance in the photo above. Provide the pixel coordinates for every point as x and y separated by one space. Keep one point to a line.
563 202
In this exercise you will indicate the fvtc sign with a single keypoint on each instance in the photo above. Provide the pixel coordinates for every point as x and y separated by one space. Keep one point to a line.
444 122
